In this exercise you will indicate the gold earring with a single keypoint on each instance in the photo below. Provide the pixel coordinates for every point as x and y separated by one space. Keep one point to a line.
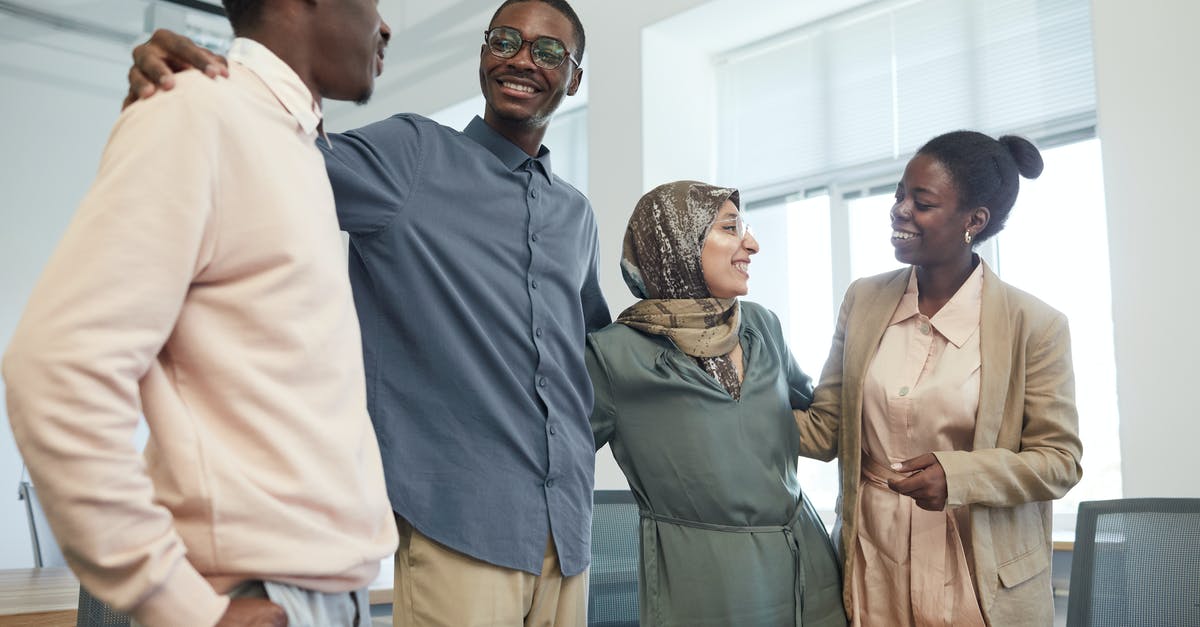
967 237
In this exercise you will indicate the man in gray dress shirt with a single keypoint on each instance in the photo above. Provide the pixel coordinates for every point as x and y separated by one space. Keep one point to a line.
474 275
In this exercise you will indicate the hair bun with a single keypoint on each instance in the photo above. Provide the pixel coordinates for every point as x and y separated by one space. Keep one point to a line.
1029 160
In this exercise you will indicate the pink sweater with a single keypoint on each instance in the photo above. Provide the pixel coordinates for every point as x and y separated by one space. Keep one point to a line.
203 284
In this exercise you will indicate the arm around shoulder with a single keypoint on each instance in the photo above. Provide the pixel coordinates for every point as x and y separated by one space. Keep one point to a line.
374 169
820 424
595 309
604 410
799 384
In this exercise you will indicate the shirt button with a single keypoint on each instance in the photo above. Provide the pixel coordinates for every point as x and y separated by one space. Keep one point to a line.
553 430
538 331
904 391
534 237
549 483
542 382
925 328
533 193
534 283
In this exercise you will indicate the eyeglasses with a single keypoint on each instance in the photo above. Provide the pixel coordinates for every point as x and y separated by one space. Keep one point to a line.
733 226
547 52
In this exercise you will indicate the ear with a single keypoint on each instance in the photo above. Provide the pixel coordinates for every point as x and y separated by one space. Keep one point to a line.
575 80
978 220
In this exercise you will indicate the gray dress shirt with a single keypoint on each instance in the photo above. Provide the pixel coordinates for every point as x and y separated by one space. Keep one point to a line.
474 275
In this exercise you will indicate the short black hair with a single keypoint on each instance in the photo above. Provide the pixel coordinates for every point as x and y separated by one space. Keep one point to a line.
985 171
562 7
243 14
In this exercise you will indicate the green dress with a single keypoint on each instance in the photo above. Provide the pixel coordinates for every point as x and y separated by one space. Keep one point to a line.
727 538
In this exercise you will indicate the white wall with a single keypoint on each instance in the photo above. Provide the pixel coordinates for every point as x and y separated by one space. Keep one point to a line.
1148 95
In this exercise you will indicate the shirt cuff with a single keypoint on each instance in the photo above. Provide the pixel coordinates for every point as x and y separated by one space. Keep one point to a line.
185 598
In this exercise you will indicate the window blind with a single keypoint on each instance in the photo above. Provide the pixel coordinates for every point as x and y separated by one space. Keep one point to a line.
874 84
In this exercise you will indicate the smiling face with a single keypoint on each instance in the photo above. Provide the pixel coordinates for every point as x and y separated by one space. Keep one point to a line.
725 258
927 223
520 94
359 35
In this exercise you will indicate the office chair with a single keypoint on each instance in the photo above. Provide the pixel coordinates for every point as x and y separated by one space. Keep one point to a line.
1136 562
92 611
95 613
45 548
613 584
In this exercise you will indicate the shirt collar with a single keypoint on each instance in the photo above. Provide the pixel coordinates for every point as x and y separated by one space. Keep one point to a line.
907 307
281 79
958 320
507 152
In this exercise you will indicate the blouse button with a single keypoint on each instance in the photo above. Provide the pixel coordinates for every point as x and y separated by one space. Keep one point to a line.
925 328
904 391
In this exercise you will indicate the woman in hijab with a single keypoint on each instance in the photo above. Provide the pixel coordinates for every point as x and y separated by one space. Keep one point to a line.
694 393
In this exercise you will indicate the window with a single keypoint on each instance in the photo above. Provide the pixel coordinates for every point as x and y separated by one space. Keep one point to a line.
870 231
793 276
567 138
869 86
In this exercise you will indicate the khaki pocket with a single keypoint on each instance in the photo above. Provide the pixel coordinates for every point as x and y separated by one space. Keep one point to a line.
1023 568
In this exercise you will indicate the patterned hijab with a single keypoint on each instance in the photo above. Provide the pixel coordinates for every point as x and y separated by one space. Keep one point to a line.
661 265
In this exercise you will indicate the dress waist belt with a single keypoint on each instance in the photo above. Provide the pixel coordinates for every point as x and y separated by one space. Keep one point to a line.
878 474
930 593
785 529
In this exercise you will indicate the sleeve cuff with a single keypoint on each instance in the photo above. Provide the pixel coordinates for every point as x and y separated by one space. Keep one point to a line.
185 598
954 464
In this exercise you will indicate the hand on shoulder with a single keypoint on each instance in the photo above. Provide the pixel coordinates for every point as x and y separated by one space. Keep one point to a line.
166 53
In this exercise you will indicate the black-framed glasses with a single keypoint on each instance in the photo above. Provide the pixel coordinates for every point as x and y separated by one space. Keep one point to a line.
547 52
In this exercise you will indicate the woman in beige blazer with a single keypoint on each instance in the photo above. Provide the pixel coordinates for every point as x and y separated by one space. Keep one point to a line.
948 399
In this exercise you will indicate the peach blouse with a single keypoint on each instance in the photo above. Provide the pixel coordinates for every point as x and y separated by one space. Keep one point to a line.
921 394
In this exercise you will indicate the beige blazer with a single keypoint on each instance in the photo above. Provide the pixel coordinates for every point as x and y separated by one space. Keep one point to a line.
1026 448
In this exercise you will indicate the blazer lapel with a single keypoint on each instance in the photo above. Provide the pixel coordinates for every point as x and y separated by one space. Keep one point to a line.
995 348
869 329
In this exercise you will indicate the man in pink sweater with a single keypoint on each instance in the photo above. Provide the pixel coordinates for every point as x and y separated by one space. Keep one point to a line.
203 284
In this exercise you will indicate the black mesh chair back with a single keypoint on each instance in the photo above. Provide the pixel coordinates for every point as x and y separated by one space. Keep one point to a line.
95 613
613 585
1136 562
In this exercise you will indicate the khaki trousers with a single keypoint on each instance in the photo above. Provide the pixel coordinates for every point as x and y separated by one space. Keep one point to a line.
438 587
